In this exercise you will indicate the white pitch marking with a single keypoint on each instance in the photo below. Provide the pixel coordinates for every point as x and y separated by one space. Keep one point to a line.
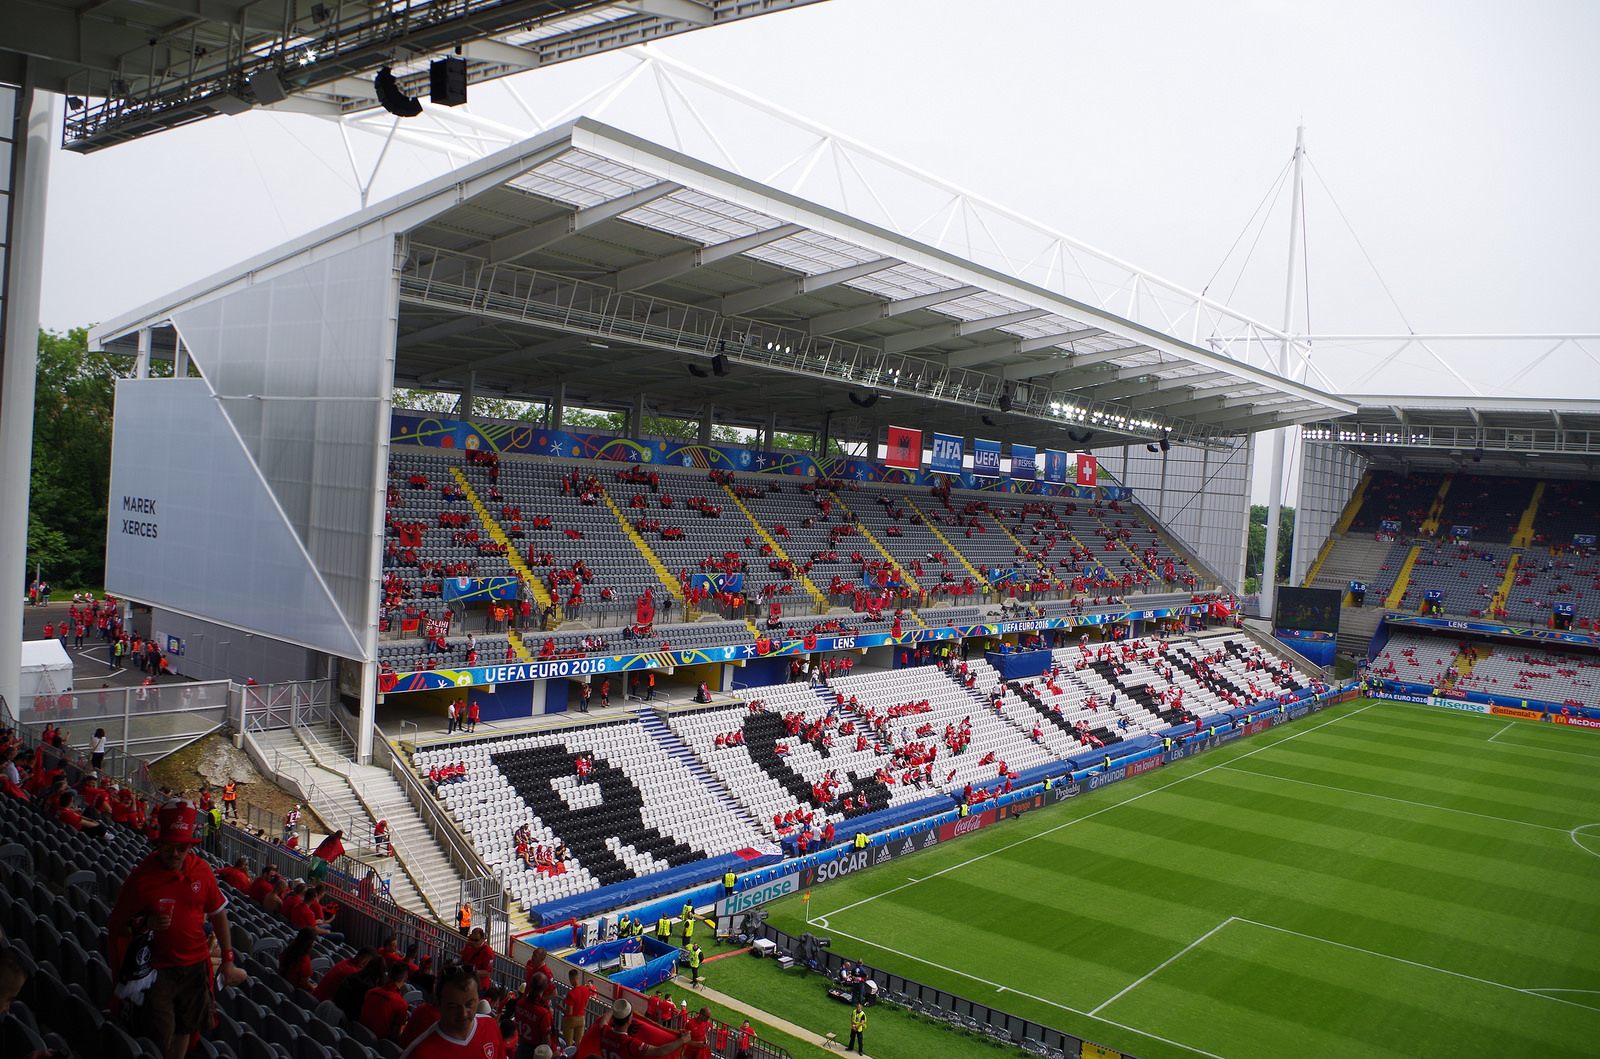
1137 982
998 987
1390 798
1097 812
1414 963
1497 735
1573 834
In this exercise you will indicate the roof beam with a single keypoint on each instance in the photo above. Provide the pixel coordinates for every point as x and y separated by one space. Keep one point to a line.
1076 362
1251 424
680 262
967 358
444 329
510 356
502 54
957 329
741 302
861 316
1168 398
508 248
691 11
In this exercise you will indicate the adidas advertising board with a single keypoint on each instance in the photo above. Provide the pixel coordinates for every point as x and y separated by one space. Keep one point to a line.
757 895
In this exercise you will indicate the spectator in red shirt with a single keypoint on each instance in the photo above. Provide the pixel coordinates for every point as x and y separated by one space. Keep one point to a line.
615 1037
383 1009
534 970
169 896
535 1021
579 993
236 875
328 985
699 1027
295 963
263 884
460 1033
478 954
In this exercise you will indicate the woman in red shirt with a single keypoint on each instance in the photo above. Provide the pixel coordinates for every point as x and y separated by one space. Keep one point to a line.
295 963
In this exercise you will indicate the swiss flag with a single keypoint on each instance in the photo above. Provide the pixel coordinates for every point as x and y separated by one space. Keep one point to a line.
1088 469
905 448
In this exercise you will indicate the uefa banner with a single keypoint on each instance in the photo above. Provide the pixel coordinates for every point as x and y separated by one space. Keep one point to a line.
1055 465
985 458
1022 462
946 453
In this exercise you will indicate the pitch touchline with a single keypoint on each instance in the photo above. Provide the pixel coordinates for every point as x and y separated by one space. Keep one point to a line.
997 987
1097 812
1137 982
1389 798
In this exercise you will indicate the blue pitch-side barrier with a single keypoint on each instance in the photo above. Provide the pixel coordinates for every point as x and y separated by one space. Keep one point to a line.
661 960
587 904
930 821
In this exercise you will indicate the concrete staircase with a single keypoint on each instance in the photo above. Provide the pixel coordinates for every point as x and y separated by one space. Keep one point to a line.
333 800
492 526
656 726
354 797
1352 558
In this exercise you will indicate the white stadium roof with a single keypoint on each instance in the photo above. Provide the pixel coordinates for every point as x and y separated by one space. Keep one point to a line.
594 259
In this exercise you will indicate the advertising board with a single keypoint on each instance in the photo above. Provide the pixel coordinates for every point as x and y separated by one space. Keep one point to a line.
1135 768
1512 711
757 895
966 825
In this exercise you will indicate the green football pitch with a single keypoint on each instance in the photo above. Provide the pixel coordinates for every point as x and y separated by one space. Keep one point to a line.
1377 879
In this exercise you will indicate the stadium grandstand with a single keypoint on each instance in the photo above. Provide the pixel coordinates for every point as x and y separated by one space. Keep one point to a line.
560 685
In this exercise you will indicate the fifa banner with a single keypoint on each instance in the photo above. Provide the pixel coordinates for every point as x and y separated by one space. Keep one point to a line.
904 448
717 582
1022 461
946 453
1088 469
985 458
1055 466
478 589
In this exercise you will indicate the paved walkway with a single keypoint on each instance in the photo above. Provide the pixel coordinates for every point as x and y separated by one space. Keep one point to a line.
682 982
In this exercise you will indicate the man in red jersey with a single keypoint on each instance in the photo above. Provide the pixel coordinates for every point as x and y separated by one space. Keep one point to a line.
535 1021
328 985
579 994
170 895
384 1009
619 1037
460 1033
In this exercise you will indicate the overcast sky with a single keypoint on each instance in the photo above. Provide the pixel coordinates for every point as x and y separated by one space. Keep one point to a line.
1461 140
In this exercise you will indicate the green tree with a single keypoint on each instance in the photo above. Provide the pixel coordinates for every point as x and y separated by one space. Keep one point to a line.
71 471
1258 543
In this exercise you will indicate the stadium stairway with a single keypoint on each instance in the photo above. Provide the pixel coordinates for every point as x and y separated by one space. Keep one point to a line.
647 553
1509 581
1402 580
1048 568
541 594
865 534
656 727
1430 525
1523 538
949 548
523 654
330 798
362 795
805 582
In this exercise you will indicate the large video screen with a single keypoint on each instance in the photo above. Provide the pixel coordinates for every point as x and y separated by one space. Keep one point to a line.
1309 609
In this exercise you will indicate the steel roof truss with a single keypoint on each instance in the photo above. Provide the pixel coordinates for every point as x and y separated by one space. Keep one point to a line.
741 302
861 316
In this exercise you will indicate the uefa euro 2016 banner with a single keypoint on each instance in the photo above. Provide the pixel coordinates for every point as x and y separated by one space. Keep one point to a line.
580 668
476 589
902 465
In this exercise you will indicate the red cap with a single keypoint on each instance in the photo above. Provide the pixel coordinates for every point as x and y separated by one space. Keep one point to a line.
176 824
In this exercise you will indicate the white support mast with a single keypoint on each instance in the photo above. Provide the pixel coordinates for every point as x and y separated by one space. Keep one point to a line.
1269 560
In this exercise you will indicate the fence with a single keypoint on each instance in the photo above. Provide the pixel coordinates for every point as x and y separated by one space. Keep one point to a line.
141 724
266 707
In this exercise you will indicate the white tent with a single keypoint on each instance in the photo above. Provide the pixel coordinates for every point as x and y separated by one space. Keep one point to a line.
46 670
